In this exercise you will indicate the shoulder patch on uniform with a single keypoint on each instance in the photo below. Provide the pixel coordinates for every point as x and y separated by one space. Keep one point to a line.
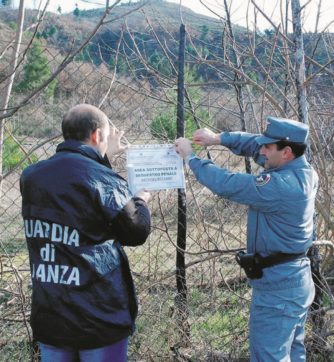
262 179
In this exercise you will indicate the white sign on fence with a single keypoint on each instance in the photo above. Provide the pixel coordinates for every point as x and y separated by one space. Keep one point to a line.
154 167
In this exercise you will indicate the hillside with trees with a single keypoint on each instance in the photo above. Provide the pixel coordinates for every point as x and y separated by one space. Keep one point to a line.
136 33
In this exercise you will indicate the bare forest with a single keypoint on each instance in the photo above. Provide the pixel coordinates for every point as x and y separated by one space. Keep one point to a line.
126 59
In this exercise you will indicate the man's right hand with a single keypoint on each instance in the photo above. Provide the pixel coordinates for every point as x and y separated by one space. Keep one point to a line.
114 143
205 137
144 195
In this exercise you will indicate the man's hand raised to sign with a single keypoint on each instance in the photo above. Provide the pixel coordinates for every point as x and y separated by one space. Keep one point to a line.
114 143
183 147
206 137
144 195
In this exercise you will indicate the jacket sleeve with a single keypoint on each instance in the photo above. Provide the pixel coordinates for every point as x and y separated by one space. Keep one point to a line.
132 225
260 192
243 144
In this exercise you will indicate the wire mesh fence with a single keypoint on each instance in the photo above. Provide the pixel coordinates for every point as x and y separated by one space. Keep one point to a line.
233 80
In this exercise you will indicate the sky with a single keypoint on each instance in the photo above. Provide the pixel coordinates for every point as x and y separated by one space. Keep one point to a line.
238 10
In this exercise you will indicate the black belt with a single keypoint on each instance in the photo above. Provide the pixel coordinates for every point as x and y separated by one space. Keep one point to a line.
253 264
277 258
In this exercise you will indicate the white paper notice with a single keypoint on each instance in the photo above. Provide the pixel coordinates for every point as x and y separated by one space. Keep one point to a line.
154 167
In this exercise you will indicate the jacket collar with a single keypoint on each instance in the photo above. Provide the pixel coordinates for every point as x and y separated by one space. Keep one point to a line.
82 148
299 162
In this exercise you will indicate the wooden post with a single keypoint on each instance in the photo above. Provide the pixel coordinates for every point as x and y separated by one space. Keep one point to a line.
181 282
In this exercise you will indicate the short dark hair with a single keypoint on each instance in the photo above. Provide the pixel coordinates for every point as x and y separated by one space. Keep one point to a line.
81 121
298 149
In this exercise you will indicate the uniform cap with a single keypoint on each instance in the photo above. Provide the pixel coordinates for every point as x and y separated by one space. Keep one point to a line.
282 129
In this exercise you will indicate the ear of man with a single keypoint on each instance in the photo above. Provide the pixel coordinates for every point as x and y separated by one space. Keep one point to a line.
287 153
96 137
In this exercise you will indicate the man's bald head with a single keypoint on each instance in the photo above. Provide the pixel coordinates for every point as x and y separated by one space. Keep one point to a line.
81 121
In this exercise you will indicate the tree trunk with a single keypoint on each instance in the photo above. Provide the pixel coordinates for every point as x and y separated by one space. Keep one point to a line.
238 86
318 318
9 85
299 62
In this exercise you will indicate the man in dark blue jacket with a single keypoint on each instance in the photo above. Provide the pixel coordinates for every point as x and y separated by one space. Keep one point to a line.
78 214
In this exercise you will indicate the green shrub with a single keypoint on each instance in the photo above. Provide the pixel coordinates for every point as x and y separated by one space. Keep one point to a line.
13 155
163 125
36 71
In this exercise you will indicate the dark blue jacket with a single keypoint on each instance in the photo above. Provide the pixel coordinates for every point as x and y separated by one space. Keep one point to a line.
78 214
